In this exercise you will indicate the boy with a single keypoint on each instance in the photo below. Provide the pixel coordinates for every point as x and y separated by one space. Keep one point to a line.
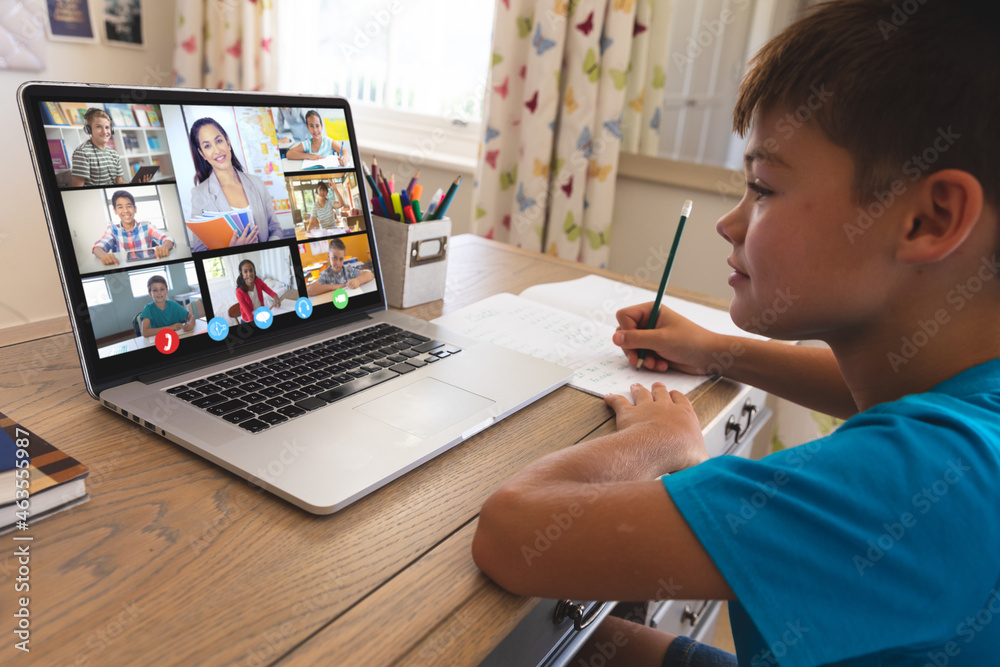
871 204
324 212
163 313
130 235
94 162
337 275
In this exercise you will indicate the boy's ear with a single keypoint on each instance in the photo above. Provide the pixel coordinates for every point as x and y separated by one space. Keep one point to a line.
948 205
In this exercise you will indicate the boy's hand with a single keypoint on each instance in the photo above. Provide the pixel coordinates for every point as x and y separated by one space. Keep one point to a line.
664 419
189 325
354 283
109 258
161 251
676 343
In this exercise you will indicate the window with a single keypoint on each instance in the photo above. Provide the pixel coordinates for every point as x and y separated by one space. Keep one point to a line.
709 43
96 291
190 274
420 62
425 56
138 279
147 206
215 269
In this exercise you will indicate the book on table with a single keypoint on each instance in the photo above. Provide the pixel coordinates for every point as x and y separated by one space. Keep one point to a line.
45 481
571 323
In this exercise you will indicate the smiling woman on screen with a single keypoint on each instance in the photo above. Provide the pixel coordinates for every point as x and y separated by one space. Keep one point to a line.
222 185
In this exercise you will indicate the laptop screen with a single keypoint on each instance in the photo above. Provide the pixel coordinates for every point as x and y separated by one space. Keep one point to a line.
189 223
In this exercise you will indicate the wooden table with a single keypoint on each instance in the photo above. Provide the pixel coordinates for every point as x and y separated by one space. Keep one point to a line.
175 561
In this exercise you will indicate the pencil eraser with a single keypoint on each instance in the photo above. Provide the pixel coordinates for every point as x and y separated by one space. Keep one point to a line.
686 209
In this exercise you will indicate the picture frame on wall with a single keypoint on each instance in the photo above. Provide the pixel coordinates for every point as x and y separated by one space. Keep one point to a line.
70 21
122 23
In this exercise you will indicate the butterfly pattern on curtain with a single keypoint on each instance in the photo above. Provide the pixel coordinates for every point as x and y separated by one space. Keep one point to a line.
563 74
225 44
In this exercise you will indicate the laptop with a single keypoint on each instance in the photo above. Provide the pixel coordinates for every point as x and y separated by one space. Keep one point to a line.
305 385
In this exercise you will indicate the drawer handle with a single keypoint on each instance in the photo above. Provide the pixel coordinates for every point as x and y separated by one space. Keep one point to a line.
748 412
566 609
694 616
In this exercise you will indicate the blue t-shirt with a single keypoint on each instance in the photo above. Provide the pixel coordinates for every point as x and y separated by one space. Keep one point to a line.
174 313
877 545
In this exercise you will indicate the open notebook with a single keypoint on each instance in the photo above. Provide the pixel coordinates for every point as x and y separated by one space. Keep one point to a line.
571 323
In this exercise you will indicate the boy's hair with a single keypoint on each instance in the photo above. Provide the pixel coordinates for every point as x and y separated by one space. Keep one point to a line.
93 113
155 279
906 87
119 194
336 244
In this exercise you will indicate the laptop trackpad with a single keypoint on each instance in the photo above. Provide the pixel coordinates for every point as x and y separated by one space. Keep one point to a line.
425 407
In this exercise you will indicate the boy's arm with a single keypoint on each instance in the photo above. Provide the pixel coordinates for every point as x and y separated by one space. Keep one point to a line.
104 247
363 276
148 330
162 242
804 375
633 644
553 529
320 288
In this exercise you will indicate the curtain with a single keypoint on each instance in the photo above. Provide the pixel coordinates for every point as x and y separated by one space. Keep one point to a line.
561 78
225 44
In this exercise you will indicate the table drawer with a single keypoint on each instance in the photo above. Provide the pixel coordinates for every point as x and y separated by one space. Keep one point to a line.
538 640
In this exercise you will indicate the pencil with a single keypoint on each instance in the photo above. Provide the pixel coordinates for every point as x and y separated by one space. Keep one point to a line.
442 208
651 324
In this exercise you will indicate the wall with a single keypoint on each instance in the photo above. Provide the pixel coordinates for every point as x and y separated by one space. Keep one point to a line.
25 250
645 219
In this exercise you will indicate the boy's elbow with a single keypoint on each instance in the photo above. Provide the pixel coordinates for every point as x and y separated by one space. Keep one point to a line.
496 546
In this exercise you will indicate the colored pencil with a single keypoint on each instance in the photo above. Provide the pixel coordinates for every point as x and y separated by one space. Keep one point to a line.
655 314
439 211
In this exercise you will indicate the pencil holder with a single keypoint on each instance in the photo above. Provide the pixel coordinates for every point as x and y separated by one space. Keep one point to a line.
413 259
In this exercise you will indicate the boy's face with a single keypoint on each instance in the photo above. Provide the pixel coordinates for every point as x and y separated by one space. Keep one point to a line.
315 126
797 273
125 210
336 259
100 131
159 293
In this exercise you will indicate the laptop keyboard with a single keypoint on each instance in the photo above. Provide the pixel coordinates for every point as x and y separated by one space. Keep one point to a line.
272 391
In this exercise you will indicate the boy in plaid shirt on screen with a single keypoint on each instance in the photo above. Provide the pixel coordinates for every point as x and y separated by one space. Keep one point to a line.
130 235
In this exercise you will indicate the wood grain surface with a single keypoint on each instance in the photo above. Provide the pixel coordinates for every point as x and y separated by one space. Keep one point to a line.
174 561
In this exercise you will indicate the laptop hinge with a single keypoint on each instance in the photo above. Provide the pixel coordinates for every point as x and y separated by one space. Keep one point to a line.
211 360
